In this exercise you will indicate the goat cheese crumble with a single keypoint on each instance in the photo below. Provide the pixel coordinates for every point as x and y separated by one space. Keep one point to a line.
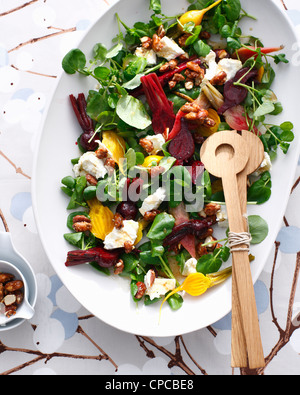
189 267
117 237
160 287
170 49
158 141
148 54
89 163
152 202
229 66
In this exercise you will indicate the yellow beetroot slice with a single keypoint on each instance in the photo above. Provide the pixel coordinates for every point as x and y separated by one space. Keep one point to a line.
101 219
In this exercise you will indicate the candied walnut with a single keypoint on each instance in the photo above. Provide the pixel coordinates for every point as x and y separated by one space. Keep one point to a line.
172 84
101 153
221 54
150 215
1 292
182 39
10 310
146 42
91 179
156 43
204 35
169 66
219 79
81 223
161 32
190 107
110 162
82 227
147 145
13 286
119 267
128 246
189 85
118 221
4 277
141 290
201 250
212 209
193 67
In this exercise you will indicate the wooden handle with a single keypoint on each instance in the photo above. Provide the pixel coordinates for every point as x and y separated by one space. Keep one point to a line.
239 355
225 155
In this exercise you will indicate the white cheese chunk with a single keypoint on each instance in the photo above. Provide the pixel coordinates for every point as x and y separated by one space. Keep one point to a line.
148 54
90 164
189 267
118 237
222 219
160 287
266 165
152 202
158 141
230 66
170 50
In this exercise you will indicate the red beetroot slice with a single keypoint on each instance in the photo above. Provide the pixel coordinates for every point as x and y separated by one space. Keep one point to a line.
181 216
103 257
163 117
236 94
182 147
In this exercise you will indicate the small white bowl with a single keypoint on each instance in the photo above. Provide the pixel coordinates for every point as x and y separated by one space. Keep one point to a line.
24 310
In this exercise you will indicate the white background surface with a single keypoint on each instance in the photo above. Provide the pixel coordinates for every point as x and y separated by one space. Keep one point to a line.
33 39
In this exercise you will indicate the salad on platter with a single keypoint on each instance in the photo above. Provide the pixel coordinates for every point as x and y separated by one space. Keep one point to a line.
141 203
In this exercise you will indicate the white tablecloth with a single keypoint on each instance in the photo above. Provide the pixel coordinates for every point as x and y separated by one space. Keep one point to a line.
63 338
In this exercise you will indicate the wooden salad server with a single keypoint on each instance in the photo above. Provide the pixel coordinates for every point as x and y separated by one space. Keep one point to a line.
239 356
225 155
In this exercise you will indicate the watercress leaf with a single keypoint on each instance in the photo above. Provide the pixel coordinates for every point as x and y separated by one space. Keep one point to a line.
258 228
130 262
132 112
133 83
208 264
223 253
277 109
287 136
74 60
265 108
175 301
100 52
69 182
260 190
232 9
96 104
102 73
103 270
114 51
74 238
155 5
280 58
161 227
201 48
286 126
233 43
136 66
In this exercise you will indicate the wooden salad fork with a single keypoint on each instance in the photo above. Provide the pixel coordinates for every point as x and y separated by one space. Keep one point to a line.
226 155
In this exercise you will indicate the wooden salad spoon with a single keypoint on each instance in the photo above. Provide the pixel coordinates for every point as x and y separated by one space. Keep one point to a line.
238 343
225 155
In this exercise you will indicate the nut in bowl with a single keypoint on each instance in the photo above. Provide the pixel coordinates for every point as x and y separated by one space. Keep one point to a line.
13 294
